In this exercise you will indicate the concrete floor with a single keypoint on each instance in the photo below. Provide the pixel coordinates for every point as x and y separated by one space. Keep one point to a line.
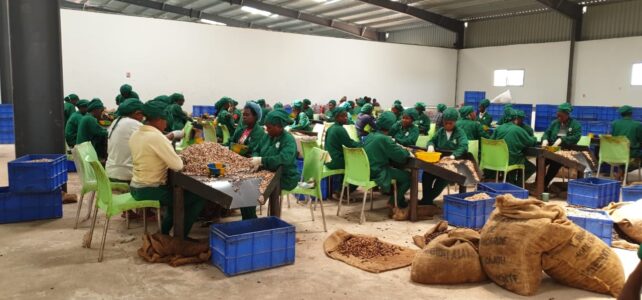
44 259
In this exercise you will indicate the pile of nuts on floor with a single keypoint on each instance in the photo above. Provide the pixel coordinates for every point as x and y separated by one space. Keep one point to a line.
367 248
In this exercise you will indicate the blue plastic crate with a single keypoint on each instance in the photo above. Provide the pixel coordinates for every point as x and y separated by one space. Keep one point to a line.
503 188
20 207
33 177
474 96
199 110
637 113
586 113
6 111
71 166
632 193
593 192
467 213
600 127
608 114
600 227
6 126
545 113
527 109
252 245
5 140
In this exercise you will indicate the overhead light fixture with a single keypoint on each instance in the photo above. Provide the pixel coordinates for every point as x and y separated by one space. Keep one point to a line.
255 11
584 9
212 22
387 35
465 24
331 1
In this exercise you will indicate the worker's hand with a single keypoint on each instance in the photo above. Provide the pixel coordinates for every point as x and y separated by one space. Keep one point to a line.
170 136
431 148
452 157
411 154
558 142
544 143
256 162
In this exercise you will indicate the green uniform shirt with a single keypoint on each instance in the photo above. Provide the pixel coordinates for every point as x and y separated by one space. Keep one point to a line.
120 98
225 118
253 141
301 122
310 113
335 138
423 123
281 152
237 116
632 130
486 119
68 109
528 129
90 130
382 151
264 112
572 136
458 142
71 129
179 117
473 129
405 136
329 115
517 140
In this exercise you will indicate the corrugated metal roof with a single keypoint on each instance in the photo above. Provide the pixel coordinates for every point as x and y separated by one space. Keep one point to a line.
428 36
613 20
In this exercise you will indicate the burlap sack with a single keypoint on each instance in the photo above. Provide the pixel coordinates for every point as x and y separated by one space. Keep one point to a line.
514 238
449 259
159 248
627 217
585 262
374 265
422 240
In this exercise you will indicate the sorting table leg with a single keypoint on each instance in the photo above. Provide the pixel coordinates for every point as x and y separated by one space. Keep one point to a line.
179 212
274 207
541 174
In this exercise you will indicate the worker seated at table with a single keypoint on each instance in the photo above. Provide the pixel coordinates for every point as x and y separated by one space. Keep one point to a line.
519 121
71 128
126 92
278 149
508 111
223 116
484 117
423 122
175 109
69 107
301 121
336 137
329 112
235 112
439 116
405 132
469 125
564 131
366 123
309 112
152 156
451 138
517 140
360 103
629 128
382 151
251 135
397 109
264 110
349 108
90 130
119 159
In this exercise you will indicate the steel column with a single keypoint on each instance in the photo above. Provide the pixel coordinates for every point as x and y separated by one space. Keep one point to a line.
36 58
6 85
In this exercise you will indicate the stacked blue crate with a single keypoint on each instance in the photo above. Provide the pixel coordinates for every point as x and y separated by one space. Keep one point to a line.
496 110
473 98
527 109
7 135
544 114
199 110
637 113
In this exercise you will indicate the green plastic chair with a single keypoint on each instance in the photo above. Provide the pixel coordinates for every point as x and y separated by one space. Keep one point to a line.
113 205
357 172
187 131
226 134
307 146
538 136
312 169
614 150
473 148
352 132
584 141
209 133
494 156
431 132
321 137
422 141
87 177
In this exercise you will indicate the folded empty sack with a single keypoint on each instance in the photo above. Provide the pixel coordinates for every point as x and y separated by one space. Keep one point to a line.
159 248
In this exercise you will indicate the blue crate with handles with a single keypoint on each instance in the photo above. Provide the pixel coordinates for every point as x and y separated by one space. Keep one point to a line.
6 111
474 96
503 188
199 110
608 114
252 245
7 137
527 109
600 127
632 193
6 127
22 207
468 213
601 227
545 112
593 192
26 176
71 166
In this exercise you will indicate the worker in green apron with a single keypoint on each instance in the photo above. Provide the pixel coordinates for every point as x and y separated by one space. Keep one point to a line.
301 121
629 128
329 113
336 137
307 109
71 129
483 116
90 130
563 131
517 140
423 123
405 132
473 129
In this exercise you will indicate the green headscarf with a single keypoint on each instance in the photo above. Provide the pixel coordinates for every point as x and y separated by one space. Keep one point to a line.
367 108
261 102
155 109
441 107
399 107
82 103
519 113
465 111
485 103
72 97
450 114
278 117
420 107
386 120
129 106
125 89
397 102
95 104
565 108
340 109
277 105
411 112
298 105
234 103
307 102
225 100
174 98
164 99
361 102
510 114
625 110
333 102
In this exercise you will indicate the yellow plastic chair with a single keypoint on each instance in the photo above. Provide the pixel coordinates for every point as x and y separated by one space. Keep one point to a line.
422 141
494 156
187 132
615 150
226 134
357 172
352 132
113 205
584 141
473 148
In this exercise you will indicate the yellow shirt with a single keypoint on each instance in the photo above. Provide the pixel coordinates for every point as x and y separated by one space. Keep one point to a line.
152 155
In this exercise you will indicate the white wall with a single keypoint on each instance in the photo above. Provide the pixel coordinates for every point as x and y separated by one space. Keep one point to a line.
545 65
603 72
206 62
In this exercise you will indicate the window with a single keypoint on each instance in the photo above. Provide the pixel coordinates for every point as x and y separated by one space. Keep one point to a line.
636 74
509 78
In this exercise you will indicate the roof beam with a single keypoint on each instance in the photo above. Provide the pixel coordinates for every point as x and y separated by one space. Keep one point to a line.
361 32
453 25
569 9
